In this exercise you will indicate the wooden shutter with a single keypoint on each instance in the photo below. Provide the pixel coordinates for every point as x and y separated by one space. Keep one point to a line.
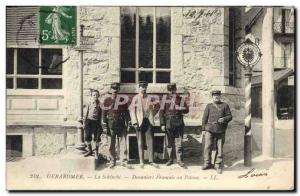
22 26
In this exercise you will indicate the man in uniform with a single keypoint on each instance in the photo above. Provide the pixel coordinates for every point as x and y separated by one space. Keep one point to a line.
171 122
115 119
142 112
215 120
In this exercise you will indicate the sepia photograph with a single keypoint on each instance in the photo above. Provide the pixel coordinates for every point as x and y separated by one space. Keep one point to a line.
150 98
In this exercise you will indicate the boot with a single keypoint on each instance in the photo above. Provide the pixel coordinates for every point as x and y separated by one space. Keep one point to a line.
181 164
112 164
89 152
126 165
170 162
206 167
97 152
153 165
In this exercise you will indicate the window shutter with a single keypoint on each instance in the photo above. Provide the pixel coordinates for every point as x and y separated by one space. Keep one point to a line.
22 26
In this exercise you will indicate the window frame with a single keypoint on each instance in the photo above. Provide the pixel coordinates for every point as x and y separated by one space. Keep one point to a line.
154 68
39 76
232 47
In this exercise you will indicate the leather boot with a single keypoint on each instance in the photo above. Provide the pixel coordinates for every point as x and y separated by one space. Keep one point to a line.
90 151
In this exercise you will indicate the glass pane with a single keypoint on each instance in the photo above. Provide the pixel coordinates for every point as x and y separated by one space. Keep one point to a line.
9 83
27 83
128 20
146 37
52 61
127 76
162 77
9 61
146 76
28 61
51 83
163 37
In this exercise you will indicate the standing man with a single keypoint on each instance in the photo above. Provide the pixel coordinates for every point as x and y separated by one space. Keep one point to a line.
142 112
171 122
115 119
215 120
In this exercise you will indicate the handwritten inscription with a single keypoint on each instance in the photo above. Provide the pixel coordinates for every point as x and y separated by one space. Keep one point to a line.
252 173
204 15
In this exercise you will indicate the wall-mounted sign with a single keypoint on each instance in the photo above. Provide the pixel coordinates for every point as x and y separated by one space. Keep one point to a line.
57 25
248 54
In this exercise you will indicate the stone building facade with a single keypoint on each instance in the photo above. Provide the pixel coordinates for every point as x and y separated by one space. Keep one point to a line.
201 60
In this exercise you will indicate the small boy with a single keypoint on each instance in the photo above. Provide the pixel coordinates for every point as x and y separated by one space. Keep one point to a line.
92 123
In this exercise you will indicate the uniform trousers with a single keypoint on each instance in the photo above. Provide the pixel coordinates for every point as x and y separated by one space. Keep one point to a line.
174 138
145 133
210 138
120 134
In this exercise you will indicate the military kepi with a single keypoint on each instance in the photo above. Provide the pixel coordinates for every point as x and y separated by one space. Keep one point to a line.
143 84
216 92
115 86
171 86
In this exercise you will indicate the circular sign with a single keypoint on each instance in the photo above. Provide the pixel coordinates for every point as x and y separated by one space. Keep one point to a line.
248 54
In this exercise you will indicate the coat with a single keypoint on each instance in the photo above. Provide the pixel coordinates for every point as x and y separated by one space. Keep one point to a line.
138 112
173 117
86 110
212 113
114 118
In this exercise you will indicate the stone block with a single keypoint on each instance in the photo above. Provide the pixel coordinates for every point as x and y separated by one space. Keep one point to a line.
176 18
48 140
217 30
217 39
71 138
77 162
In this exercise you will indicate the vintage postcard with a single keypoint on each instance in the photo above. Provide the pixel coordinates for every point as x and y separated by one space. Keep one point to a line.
150 98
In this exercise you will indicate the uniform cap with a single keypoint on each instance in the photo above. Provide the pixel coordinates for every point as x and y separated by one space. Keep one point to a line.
143 83
216 92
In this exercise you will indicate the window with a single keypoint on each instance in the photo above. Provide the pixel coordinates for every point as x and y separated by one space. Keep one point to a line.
33 68
145 44
287 21
232 66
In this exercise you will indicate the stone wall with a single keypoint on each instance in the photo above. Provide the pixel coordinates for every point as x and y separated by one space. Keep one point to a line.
199 52
44 140
101 65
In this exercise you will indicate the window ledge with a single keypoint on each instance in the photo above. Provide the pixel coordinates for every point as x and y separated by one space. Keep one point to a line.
33 92
43 123
152 88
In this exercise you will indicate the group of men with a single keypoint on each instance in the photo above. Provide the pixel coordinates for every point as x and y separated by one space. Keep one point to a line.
114 117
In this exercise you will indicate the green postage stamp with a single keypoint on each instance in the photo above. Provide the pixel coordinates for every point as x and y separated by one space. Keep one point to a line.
57 25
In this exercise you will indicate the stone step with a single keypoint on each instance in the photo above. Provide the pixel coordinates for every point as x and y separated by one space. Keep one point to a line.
62 162
76 161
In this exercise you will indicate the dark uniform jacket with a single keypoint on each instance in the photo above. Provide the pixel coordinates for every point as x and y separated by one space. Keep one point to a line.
114 118
171 115
212 113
